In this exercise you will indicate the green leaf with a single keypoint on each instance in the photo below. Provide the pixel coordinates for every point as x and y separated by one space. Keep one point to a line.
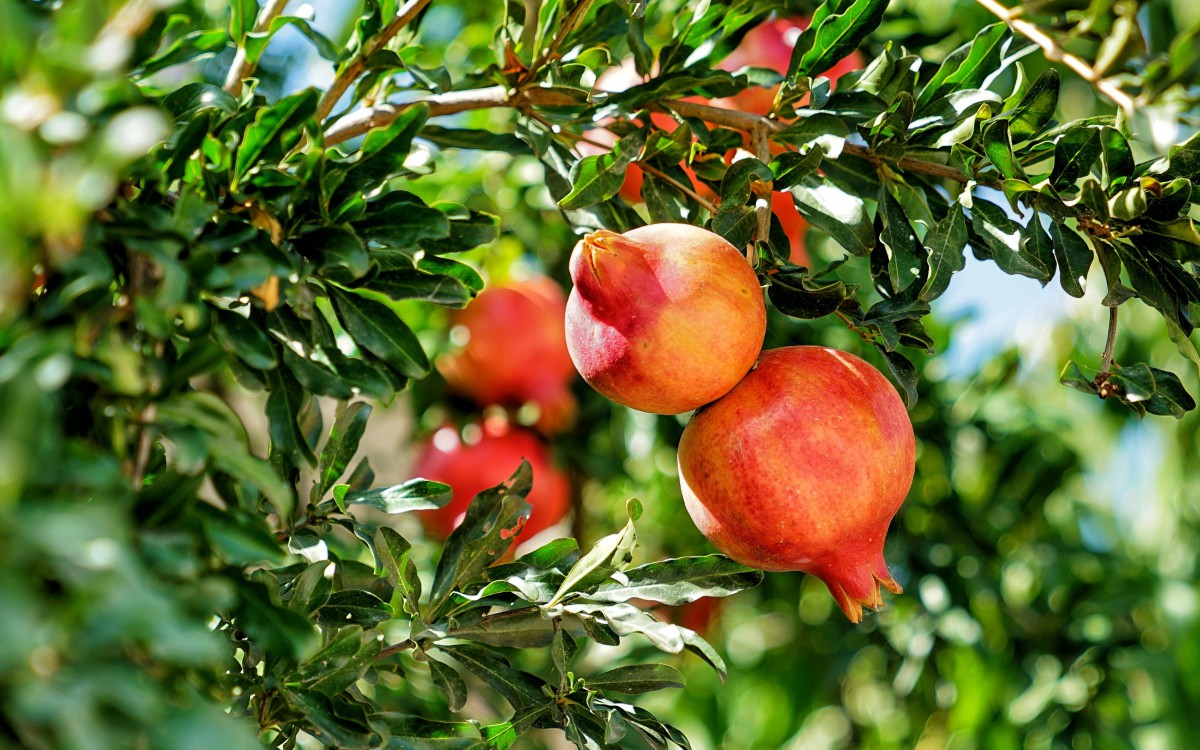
736 226
340 448
638 678
415 494
240 539
341 663
598 178
284 402
394 554
274 628
483 140
678 581
242 15
738 183
493 519
383 153
184 102
898 249
1073 376
562 650
275 131
1038 246
968 66
1005 239
378 329
1036 108
832 36
416 733
194 45
401 220
796 294
353 607
334 721
439 289
903 373
841 215
1074 259
519 688
997 144
946 243
1169 397
607 556
447 680
310 589
1074 154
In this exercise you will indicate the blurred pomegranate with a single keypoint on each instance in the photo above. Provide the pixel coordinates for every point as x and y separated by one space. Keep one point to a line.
515 351
472 467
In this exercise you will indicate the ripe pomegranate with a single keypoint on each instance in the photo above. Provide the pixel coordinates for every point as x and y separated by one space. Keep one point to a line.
769 45
516 351
663 318
801 467
470 468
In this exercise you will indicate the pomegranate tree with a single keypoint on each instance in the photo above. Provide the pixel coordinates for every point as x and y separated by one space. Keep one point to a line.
664 318
801 467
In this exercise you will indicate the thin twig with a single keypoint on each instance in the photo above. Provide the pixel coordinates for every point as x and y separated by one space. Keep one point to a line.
242 67
1057 54
760 138
380 116
1106 359
687 190
356 66
568 25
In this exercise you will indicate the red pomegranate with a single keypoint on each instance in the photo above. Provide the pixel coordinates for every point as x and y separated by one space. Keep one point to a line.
470 468
516 351
663 318
801 467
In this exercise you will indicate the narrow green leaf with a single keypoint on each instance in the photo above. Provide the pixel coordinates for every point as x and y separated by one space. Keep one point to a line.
841 215
341 663
275 130
1074 155
832 36
1036 108
1074 259
415 494
353 607
378 329
946 243
394 554
447 680
638 678
340 448
678 581
610 554
519 688
968 66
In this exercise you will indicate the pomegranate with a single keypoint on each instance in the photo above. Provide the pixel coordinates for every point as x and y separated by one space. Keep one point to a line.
516 351
472 467
663 318
801 467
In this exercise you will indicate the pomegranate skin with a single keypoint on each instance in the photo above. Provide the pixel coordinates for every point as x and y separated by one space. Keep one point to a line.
664 318
472 468
802 467
516 351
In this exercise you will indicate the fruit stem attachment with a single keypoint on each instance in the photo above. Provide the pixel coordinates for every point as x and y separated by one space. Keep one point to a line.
1106 359
760 138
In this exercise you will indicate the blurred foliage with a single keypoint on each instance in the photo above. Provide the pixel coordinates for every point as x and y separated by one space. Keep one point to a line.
178 573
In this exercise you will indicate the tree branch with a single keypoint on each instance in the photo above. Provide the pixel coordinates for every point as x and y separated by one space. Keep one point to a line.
760 139
241 68
380 116
686 189
1057 54
568 25
356 66
1106 359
